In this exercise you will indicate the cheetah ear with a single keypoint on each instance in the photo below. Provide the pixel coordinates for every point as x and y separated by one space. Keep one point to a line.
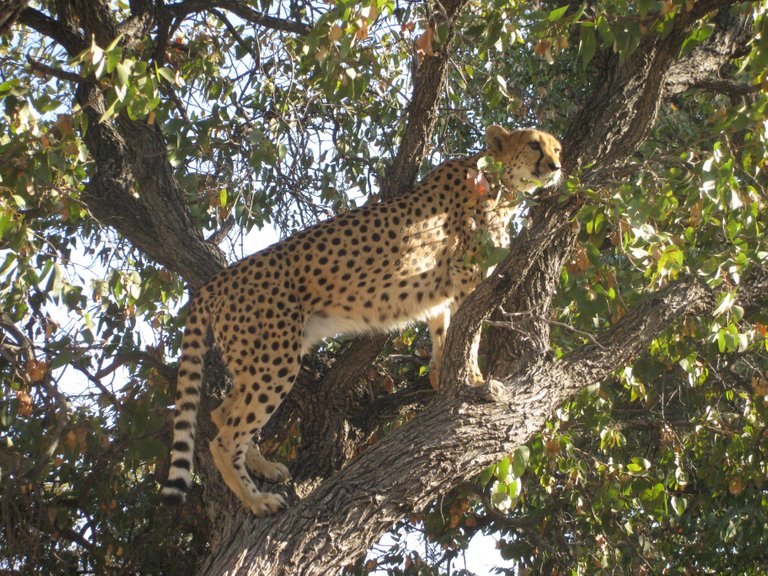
497 137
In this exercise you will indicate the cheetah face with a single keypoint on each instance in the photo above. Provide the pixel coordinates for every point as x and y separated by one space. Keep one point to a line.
531 158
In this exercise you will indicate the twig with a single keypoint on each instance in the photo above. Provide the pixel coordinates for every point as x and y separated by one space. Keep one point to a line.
221 233
182 9
39 66
530 313
728 87
236 35
517 523
138 356
26 349
103 389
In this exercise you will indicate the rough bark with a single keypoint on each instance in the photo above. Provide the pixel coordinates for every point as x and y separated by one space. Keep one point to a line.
10 10
615 119
131 187
527 309
451 442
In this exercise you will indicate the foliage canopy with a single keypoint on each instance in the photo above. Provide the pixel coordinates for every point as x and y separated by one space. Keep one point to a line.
265 114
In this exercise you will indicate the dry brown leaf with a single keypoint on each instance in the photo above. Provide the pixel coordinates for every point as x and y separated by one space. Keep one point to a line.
477 182
335 33
760 386
543 48
36 370
25 403
424 43
362 30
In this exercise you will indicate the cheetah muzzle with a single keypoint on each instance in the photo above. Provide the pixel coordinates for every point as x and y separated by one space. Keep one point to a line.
371 269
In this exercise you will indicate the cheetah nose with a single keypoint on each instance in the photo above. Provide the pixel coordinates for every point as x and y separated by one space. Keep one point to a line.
554 166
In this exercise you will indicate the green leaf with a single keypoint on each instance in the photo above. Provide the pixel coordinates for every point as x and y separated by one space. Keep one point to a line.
605 30
113 59
643 6
114 43
167 74
514 488
679 504
587 43
696 37
722 346
726 300
557 13
486 475
520 460
502 468
111 109
124 72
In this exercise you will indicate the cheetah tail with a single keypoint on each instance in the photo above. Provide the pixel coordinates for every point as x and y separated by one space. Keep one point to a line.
188 395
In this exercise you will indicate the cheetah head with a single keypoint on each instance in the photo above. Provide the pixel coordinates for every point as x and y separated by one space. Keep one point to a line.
531 158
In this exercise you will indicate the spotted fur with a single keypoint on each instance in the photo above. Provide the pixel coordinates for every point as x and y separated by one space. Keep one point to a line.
370 269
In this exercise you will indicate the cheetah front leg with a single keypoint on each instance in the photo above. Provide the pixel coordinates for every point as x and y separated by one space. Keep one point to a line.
438 326
493 388
254 461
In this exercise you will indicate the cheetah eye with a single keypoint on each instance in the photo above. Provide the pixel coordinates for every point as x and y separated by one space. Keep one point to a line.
534 145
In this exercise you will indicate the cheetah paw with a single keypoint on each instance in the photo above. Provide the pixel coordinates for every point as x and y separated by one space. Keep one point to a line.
476 379
266 504
493 390
263 468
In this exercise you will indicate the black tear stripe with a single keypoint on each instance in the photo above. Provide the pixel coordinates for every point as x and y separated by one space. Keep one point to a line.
538 162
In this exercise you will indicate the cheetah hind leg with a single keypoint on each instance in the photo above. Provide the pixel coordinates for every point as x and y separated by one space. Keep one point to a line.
229 456
254 461
263 468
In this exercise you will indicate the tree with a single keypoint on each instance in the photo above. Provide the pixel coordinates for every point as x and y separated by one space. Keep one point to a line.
144 141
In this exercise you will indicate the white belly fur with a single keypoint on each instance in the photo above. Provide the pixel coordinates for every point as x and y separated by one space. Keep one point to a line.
318 327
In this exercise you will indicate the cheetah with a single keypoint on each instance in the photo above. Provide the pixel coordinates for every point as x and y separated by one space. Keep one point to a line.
373 268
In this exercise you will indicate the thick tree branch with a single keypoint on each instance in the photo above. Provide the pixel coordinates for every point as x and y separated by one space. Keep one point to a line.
623 108
180 237
72 41
132 187
10 10
702 68
527 265
51 71
97 19
729 87
420 115
325 411
132 157
619 114
451 442
183 9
